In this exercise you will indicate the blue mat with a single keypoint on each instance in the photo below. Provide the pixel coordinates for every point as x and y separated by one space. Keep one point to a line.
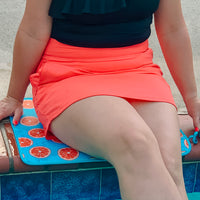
34 149
185 144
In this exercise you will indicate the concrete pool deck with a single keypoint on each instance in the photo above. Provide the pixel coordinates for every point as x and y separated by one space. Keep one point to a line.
11 14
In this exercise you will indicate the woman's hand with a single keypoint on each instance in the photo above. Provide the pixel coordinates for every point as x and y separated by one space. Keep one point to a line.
193 107
11 107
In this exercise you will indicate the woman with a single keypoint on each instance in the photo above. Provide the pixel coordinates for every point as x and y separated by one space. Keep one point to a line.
96 88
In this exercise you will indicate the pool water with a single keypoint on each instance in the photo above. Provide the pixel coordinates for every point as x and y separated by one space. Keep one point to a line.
194 196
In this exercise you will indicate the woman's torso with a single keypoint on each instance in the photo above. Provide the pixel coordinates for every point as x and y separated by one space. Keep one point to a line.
106 23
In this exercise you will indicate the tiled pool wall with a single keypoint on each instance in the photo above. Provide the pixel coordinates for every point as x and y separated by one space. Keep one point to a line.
93 184
191 173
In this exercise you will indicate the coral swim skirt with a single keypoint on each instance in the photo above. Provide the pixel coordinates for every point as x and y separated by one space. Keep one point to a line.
67 74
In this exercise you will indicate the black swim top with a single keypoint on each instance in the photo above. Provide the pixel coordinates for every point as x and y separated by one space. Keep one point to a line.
102 23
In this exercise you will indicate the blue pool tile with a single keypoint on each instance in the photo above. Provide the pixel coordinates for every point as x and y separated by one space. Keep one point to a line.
189 172
109 185
194 196
78 185
197 185
23 187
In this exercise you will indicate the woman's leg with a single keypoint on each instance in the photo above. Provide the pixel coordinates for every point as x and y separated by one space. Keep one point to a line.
110 128
163 121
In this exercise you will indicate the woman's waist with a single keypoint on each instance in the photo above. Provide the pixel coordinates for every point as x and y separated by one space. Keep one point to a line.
58 51
66 58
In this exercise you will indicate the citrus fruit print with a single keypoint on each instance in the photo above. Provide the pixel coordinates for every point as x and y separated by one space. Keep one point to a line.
68 153
186 143
37 133
29 121
56 140
25 142
28 104
40 152
181 134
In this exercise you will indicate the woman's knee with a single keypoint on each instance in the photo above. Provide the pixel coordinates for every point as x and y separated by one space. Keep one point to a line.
137 143
174 165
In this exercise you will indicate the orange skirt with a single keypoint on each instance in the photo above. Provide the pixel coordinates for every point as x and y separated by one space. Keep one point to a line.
67 74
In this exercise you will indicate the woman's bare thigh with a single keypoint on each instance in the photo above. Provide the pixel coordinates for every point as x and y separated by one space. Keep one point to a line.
93 124
163 120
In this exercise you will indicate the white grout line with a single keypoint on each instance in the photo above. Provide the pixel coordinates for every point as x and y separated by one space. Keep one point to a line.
100 182
195 178
0 188
51 191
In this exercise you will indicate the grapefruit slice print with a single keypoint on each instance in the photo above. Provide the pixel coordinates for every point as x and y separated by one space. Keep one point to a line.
25 142
68 153
37 133
181 134
56 140
40 152
29 121
28 104
186 143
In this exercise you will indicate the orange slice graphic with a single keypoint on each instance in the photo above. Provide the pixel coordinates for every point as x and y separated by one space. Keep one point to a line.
28 104
56 140
25 142
40 152
186 143
29 121
37 133
68 153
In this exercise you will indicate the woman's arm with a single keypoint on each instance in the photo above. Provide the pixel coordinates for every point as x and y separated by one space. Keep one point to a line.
31 39
175 44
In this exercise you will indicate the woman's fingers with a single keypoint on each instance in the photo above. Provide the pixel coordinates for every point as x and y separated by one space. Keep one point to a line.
193 107
196 122
4 111
10 106
17 114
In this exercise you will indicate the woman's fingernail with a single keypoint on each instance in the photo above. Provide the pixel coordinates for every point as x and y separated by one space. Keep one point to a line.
196 129
15 122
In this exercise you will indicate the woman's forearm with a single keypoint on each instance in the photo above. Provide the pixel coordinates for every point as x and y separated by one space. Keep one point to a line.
177 51
27 53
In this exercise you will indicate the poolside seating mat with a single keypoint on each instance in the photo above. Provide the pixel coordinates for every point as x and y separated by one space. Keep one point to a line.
35 149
